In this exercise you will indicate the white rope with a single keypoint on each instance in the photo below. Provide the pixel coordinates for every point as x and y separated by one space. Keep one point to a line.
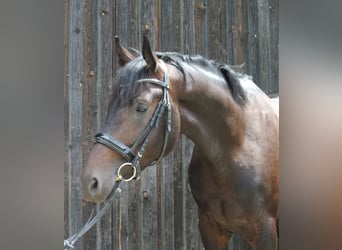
70 242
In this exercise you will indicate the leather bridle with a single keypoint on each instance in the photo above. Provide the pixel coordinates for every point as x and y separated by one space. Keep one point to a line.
131 169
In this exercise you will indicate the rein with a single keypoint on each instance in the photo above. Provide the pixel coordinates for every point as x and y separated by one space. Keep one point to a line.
131 169
70 242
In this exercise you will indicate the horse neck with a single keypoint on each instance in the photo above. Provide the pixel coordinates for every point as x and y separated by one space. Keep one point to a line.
209 115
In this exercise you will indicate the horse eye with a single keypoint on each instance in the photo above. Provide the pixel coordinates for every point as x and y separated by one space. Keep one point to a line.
142 108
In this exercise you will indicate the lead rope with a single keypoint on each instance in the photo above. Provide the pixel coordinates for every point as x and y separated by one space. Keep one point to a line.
70 242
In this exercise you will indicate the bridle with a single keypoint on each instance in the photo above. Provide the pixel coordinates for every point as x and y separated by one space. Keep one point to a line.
131 169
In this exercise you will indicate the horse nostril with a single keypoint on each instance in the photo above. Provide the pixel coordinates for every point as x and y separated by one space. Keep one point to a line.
93 186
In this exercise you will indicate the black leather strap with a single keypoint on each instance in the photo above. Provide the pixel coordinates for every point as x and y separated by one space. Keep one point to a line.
116 145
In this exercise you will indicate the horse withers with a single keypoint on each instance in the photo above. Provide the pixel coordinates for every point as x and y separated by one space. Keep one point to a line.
233 172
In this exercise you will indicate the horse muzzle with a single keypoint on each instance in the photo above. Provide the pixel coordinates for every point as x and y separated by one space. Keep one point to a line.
96 187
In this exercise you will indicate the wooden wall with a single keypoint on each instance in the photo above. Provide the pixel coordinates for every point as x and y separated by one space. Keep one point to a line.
158 211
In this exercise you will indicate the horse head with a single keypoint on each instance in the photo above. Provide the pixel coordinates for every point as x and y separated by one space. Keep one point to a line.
141 126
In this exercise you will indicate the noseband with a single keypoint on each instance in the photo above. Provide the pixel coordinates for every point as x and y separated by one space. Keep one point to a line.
131 169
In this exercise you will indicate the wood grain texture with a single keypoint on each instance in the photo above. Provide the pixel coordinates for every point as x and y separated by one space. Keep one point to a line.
158 211
74 115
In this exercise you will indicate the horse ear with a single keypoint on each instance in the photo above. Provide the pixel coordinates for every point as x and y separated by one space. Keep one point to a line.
122 52
149 56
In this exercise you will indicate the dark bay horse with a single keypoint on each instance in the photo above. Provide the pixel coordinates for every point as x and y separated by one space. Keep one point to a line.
234 126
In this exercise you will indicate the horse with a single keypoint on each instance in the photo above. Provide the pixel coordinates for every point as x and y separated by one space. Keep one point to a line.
234 125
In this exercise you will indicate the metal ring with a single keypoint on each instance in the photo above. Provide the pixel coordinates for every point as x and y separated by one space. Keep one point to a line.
127 172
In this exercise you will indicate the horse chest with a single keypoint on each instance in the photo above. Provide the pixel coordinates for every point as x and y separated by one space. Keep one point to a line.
225 208
232 197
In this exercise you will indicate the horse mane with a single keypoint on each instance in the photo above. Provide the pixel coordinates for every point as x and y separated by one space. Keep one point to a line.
233 80
124 87
231 77
135 70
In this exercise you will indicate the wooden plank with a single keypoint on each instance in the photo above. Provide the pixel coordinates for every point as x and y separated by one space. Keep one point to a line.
133 210
160 206
252 64
223 32
156 12
66 120
122 27
264 44
135 23
273 64
105 57
147 21
97 64
149 209
179 198
116 225
89 107
165 29
188 27
74 161
123 232
201 27
214 8
238 30
167 203
103 90
176 22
